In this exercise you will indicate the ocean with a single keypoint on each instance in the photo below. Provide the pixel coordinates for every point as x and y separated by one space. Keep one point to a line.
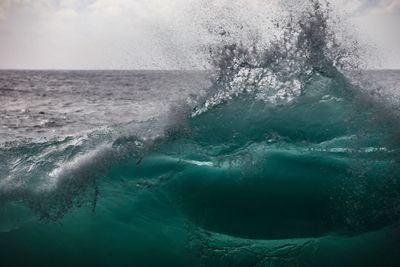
56 103
79 188
278 156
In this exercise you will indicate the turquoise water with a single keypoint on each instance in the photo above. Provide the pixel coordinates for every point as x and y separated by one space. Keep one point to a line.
295 185
268 167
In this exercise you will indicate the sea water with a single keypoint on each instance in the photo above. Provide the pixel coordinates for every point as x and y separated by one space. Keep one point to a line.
274 156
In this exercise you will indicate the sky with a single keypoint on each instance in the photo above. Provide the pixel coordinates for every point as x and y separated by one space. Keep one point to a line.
158 34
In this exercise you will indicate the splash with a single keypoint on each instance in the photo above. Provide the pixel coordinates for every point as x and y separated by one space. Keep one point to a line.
278 71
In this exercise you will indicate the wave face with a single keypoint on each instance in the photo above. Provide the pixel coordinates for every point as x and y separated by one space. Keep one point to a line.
284 160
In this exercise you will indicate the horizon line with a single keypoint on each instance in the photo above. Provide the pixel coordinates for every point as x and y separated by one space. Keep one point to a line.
94 69
139 69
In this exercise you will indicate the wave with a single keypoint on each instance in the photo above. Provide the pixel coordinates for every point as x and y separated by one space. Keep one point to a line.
283 145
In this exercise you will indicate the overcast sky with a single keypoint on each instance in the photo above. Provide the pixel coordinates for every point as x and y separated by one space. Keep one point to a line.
154 34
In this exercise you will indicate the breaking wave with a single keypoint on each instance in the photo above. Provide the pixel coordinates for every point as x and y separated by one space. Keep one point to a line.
283 145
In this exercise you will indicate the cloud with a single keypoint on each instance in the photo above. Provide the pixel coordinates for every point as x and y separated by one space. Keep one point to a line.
389 7
4 9
106 8
138 33
378 7
90 33
67 13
